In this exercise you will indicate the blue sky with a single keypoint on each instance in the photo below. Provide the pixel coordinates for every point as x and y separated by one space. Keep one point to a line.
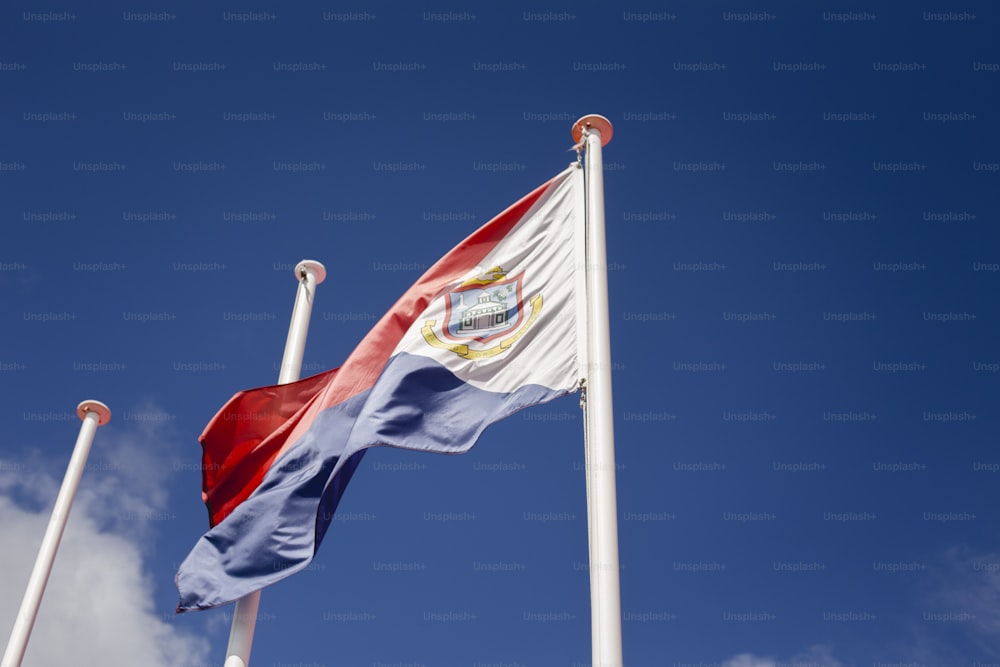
801 219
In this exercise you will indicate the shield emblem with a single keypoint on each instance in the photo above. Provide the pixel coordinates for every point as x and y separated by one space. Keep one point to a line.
482 313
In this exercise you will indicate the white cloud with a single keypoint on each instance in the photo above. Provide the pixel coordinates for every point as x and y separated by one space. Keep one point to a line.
98 607
960 610
814 656
748 660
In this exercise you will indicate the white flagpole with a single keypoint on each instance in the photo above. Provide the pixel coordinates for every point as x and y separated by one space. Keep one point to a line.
309 273
92 414
602 520
580 239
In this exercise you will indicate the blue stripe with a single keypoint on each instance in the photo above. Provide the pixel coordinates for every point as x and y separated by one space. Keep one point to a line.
416 404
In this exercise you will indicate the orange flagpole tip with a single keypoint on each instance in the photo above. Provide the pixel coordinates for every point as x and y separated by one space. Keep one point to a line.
102 411
597 122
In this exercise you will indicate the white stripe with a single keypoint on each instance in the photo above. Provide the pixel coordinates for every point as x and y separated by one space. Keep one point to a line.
541 250
580 263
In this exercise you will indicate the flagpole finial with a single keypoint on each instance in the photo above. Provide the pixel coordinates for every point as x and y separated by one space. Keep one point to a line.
314 267
596 121
102 411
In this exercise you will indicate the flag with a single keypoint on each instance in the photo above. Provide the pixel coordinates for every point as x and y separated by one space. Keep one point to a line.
488 330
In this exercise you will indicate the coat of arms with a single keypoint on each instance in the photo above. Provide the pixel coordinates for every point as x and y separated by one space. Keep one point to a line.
484 309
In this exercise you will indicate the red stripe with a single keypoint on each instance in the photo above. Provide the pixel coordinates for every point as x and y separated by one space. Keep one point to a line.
243 439
257 426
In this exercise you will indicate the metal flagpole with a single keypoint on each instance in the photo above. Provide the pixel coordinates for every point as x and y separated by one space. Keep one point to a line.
583 352
310 273
92 414
605 595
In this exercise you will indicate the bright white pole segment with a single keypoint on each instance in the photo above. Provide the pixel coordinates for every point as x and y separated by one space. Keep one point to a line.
583 317
605 595
93 414
309 274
